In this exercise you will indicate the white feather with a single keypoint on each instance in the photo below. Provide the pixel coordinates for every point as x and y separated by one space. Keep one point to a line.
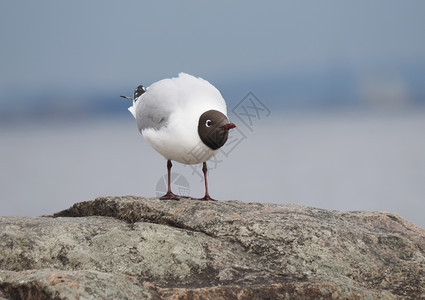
132 109
168 113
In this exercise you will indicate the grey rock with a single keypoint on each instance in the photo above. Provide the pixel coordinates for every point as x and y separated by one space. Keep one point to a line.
141 248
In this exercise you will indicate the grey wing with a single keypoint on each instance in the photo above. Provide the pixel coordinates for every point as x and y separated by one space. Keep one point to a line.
152 115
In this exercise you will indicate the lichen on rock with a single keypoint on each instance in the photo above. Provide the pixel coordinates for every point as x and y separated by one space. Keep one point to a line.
146 248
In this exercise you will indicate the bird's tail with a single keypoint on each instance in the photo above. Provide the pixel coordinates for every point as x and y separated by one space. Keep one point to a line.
137 93
132 109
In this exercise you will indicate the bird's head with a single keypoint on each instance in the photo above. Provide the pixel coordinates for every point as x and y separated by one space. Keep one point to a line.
213 128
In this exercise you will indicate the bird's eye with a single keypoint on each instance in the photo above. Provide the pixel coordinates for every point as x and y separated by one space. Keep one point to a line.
208 123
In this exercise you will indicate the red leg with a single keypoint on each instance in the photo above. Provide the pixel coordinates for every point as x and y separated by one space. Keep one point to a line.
169 195
207 195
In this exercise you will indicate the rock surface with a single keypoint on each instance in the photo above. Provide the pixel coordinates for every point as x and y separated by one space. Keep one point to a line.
140 248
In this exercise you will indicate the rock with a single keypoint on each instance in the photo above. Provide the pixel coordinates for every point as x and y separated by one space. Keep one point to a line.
140 248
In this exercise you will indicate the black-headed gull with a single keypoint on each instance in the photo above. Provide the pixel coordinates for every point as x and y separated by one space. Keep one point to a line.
184 119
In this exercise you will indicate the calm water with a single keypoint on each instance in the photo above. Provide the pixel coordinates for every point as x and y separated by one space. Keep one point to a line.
341 161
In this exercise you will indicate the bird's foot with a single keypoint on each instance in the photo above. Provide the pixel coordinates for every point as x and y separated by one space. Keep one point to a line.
170 196
206 198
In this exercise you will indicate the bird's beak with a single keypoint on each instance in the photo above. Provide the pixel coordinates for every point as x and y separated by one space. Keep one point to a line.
228 126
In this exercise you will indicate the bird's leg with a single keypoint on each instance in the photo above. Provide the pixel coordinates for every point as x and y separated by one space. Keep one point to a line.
169 195
207 195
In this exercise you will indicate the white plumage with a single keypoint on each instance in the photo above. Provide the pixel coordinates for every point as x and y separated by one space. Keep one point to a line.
184 119
168 112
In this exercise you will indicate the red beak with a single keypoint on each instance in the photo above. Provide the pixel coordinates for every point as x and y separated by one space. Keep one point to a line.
228 126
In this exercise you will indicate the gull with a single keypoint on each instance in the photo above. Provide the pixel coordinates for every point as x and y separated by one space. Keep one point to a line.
184 119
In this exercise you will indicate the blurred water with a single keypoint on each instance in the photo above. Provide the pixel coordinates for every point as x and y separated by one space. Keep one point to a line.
342 161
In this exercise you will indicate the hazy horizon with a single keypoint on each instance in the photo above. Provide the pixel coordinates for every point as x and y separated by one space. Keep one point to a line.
342 161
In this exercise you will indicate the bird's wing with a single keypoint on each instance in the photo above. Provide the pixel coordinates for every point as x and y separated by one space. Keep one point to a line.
155 106
168 96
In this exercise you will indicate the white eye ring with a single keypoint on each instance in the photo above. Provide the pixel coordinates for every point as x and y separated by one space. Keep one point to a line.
208 123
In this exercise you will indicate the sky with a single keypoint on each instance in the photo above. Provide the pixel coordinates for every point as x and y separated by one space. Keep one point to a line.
68 58
82 45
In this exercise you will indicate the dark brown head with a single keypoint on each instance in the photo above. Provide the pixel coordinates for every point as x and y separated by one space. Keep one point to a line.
213 128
